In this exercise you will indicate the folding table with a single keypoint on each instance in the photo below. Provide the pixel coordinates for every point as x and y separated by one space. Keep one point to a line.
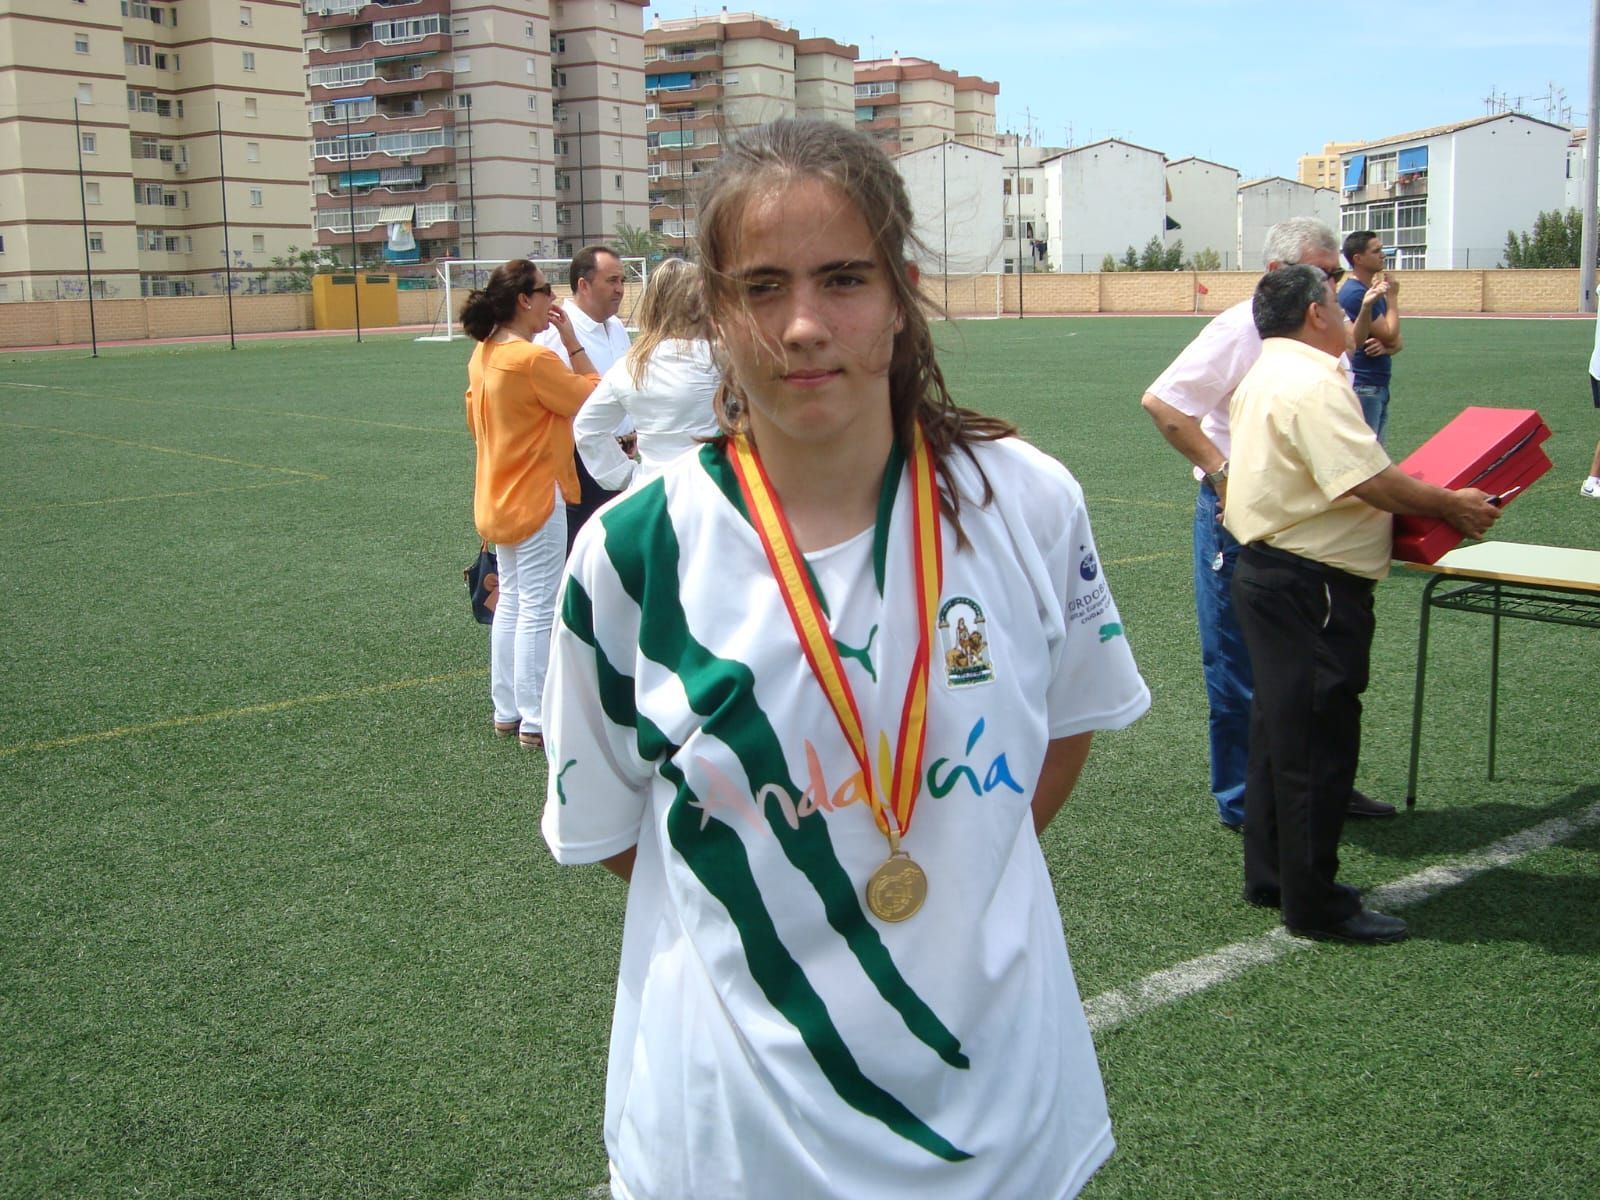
1552 584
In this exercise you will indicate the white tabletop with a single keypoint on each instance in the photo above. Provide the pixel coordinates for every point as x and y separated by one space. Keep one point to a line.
1514 562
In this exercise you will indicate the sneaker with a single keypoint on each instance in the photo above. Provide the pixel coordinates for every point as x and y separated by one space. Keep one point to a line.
1590 488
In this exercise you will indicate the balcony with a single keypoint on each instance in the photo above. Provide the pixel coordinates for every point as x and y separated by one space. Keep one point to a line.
880 126
340 14
433 43
381 123
708 60
711 90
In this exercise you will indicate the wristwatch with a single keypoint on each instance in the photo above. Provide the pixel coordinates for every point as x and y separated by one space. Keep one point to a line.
1218 477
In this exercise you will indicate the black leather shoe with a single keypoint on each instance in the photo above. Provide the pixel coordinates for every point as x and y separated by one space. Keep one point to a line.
1365 926
1363 805
1263 897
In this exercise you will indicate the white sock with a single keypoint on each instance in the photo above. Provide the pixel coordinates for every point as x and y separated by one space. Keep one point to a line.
1593 480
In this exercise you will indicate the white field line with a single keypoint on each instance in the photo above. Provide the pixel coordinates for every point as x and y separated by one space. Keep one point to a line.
1110 1009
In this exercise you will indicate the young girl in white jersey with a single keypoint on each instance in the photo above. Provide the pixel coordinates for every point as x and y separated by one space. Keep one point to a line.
814 692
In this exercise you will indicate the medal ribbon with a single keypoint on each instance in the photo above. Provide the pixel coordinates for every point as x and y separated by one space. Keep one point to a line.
902 780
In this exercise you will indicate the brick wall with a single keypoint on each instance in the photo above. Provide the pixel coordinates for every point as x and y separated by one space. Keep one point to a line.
60 322
1530 291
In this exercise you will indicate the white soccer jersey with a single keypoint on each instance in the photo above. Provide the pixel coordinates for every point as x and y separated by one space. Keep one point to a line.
771 1037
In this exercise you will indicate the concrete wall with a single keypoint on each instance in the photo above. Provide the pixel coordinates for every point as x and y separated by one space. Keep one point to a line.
1263 205
1506 173
1103 198
957 189
65 322
1205 204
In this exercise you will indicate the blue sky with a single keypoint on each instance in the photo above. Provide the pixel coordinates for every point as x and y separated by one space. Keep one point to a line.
1242 82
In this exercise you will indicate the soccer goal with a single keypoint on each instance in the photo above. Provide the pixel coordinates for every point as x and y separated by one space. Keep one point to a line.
459 276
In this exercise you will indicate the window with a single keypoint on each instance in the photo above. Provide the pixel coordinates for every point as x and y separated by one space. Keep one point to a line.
252 152
89 142
613 45
461 27
161 62
97 242
249 60
246 17
616 149
86 93
80 43
532 66
255 198
249 106
537 215
617 179
463 64
616 114
558 45
258 243
527 29
188 244
616 79
533 141
141 53
533 173
2 244
91 193
533 102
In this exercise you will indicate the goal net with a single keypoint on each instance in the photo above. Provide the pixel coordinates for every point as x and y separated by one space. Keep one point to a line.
459 276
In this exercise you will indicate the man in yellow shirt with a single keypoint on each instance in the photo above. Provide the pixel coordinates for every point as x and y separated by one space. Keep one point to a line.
1310 493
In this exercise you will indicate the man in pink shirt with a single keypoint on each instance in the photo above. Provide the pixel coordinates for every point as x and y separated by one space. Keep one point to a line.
1189 404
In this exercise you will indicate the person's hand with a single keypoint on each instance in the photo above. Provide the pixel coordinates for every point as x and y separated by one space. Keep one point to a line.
1222 497
559 319
1393 284
1373 348
629 442
1376 292
1470 512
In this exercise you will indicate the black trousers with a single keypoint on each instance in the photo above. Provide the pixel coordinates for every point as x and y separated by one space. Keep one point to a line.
1309 632
593 497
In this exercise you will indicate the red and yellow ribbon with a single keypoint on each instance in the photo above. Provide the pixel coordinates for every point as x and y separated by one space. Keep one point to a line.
902 780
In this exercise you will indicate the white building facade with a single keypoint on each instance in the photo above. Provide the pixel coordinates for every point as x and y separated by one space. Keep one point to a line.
1202 208
1445 198
957 200
1100 199
1262 203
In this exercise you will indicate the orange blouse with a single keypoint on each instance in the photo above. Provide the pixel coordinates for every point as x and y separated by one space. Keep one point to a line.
521 399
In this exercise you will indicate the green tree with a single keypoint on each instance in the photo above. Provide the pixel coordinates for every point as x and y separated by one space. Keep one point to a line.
1172 257
1556 240
1108 264
292 272
633 242
1206 260
1154 256
1130 260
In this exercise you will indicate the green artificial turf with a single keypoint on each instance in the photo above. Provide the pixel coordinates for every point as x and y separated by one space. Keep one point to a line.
276 919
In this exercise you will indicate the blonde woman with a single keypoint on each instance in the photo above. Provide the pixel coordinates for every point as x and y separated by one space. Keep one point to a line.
666 383
520 402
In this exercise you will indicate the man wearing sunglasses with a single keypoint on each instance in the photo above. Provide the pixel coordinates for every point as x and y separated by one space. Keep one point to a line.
1189 404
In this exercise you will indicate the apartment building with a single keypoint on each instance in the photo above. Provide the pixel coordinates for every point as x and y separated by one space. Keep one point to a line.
1202 208
160 102
706 79
912 103
1322 170
1101 199
464 129
1262 203
1445 197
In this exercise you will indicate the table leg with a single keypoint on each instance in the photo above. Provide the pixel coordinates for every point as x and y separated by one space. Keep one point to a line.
1422 679
1494 680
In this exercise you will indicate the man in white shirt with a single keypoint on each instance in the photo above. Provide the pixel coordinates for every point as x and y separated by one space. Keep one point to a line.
597 288
1189 404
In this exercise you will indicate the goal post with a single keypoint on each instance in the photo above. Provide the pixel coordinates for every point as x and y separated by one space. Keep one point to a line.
459 276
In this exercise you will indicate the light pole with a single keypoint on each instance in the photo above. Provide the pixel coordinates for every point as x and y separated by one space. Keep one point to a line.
683 189
350 193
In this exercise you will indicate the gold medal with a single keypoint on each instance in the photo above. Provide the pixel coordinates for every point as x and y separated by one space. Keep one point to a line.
897 888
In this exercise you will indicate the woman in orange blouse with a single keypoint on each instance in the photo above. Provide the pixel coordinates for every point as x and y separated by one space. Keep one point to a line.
521 399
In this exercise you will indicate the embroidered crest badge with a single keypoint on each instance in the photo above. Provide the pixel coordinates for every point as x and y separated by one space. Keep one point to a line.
964 639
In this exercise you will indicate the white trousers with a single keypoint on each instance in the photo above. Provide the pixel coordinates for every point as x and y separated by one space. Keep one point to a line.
519 640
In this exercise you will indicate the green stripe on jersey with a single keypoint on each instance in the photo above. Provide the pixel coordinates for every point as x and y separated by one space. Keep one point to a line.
643 549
